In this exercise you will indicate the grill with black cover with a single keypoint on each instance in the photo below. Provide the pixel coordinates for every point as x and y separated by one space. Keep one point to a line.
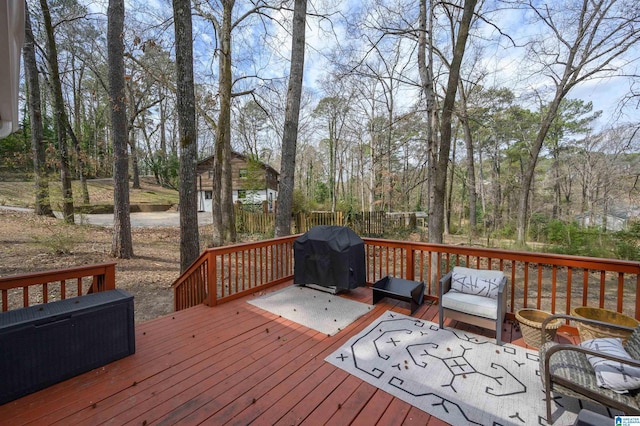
330 256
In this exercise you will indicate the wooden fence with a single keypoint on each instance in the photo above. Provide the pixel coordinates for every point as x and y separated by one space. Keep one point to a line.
366 224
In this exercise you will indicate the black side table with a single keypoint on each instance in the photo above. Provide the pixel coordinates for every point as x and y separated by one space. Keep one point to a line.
399 289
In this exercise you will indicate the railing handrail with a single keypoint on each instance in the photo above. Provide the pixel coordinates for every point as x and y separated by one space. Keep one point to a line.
36 278
212 251
103 278
200 281
585 262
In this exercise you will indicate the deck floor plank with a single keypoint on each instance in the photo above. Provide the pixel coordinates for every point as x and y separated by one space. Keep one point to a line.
230 364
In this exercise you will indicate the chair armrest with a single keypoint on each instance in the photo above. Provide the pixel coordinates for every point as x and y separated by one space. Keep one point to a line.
586 321
502 297
445 284
502 288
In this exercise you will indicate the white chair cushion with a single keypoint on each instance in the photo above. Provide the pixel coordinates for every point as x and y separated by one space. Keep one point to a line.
611 374
481 306
480 282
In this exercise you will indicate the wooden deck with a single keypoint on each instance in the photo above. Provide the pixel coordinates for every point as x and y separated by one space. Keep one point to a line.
230 364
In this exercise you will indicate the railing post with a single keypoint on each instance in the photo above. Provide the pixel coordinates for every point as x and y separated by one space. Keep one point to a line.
212 281
410 273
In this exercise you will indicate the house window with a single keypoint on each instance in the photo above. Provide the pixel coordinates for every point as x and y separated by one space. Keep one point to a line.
208 195
242 194
244 173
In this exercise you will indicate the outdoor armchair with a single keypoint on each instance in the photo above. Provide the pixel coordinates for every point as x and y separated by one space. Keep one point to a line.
566 369
474 296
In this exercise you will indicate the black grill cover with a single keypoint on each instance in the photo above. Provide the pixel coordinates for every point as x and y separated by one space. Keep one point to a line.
330 256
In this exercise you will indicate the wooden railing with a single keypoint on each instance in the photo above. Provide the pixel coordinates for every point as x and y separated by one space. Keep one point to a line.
222 274
554 283
551 282
55 285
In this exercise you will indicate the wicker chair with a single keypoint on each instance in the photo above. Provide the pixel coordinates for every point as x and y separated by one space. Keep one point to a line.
565 369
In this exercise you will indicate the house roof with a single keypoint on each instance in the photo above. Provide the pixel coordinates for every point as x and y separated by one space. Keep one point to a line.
243 157
11 39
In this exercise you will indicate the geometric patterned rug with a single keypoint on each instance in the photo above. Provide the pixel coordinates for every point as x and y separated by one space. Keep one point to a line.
456 376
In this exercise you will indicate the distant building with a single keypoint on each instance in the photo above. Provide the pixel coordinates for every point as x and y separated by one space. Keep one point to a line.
614 221
253 182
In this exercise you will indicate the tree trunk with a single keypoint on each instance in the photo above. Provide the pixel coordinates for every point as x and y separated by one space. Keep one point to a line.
121 245
74 132
221 220
61 126
471 172
291 118
436 216
527 178
133 146
189 235
42 202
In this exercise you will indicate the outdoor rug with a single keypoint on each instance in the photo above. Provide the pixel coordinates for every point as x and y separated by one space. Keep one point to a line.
456 376
320 311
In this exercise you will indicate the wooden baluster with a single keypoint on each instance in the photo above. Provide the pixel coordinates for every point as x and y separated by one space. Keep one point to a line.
585 287
620 290
513 283
45 293
25 296
63 289
554 288
526 284
539 298
603 283
5 300
569 277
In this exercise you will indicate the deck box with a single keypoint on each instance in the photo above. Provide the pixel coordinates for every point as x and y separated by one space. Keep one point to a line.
44 344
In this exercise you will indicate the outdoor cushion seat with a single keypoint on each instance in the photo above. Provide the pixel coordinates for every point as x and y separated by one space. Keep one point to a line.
565 369
474 296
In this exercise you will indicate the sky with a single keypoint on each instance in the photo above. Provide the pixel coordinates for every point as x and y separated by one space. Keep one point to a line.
505 64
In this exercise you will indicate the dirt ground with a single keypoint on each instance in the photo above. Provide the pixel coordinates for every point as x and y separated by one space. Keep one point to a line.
30 243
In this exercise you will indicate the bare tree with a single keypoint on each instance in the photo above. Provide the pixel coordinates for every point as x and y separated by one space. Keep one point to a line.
588 37
436 208
292 115
61 119
122 245
42 203
189 236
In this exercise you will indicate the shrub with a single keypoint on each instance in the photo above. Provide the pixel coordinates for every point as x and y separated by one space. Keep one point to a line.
63 240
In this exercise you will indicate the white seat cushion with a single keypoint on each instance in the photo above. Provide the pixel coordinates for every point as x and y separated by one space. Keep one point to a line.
481 306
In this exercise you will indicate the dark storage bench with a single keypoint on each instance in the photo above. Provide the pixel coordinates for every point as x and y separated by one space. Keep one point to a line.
44 344
400 289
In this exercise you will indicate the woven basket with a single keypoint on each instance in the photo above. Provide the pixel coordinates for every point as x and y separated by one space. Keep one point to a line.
531 326
590 331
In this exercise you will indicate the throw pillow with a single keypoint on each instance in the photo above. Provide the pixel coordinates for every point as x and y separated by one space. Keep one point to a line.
614 375
474 281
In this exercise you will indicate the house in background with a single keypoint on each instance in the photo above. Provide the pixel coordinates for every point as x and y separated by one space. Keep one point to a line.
254 183
612 221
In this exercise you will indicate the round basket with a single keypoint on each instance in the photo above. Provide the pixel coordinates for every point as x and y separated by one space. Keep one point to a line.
590 331
531 326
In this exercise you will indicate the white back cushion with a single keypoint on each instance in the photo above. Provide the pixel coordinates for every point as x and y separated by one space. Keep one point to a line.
480 282
611 374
